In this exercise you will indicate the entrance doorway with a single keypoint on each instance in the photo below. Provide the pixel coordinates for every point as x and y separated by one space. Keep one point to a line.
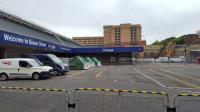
112 59
2 53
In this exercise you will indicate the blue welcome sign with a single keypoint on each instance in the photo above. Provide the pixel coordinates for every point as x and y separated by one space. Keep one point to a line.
21 40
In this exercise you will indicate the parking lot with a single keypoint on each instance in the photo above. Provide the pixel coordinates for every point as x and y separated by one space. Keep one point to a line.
173 79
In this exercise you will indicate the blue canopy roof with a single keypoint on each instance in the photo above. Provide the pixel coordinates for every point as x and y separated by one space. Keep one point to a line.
107 50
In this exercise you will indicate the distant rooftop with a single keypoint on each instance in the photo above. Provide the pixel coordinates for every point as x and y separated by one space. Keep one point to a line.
121 25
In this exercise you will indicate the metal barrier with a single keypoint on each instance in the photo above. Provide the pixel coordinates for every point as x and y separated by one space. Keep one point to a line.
16 99
187 103
114 100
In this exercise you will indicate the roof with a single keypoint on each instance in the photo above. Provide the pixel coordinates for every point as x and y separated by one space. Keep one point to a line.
107 50
89 37
32 25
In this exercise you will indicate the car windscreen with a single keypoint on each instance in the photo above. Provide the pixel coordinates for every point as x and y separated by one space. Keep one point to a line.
34 63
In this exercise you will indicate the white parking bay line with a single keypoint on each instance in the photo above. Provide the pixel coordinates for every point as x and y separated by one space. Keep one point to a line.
151 79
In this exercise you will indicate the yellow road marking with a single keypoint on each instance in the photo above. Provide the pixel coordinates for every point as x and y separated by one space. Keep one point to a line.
178 80
100 73
181 75
80 77
75 74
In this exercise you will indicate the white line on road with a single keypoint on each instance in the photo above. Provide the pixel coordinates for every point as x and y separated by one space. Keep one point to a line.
151 79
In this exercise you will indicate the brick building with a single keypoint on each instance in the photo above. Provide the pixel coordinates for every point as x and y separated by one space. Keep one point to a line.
123 35
90 41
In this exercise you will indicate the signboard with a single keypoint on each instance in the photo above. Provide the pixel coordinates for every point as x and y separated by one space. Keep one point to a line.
7 38
107 50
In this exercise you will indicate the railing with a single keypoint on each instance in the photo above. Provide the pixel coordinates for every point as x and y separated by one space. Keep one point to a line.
17 99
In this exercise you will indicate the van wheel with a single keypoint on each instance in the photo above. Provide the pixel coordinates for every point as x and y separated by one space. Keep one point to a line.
36 76
3 77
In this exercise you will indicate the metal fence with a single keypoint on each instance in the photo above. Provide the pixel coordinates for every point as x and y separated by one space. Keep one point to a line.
108 100
15 99
187 103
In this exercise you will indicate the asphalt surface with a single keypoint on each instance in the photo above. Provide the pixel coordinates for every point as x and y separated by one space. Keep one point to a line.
170 78
150 77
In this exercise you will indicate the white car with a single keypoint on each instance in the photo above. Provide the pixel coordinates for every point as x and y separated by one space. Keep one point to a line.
23 68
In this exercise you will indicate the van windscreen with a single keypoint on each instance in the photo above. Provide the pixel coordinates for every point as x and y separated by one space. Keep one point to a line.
55 59
43 58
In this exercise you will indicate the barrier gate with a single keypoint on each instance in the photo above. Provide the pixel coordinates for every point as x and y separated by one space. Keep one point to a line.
187 103
17 99
113 100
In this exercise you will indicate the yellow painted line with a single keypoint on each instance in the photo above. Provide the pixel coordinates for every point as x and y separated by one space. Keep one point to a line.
80 77
181 75
178 80
100 73
75 74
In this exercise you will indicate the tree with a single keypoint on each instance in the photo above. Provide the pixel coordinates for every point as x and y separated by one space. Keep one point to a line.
156 43
179 41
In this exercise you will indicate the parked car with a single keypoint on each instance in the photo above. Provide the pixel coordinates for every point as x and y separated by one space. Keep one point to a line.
23 68
49 60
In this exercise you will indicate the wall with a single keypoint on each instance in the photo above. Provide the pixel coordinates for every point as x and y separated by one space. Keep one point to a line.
125 34
15 52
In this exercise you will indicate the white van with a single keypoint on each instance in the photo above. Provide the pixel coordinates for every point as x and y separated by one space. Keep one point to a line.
23 68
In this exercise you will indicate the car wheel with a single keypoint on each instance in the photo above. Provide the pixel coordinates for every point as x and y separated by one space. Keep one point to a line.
58 73
36 76
3 77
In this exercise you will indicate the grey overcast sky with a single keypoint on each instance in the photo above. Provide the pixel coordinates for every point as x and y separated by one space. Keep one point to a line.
159 18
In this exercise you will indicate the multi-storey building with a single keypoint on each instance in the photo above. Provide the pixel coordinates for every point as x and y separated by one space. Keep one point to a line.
122 35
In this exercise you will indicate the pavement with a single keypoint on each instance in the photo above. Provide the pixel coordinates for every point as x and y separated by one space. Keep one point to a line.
170 78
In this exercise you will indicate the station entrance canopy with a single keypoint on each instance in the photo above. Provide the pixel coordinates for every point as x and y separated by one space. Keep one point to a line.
107 50
8 38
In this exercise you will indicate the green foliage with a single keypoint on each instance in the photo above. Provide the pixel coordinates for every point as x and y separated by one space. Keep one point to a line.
181 40
156 43
178 41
